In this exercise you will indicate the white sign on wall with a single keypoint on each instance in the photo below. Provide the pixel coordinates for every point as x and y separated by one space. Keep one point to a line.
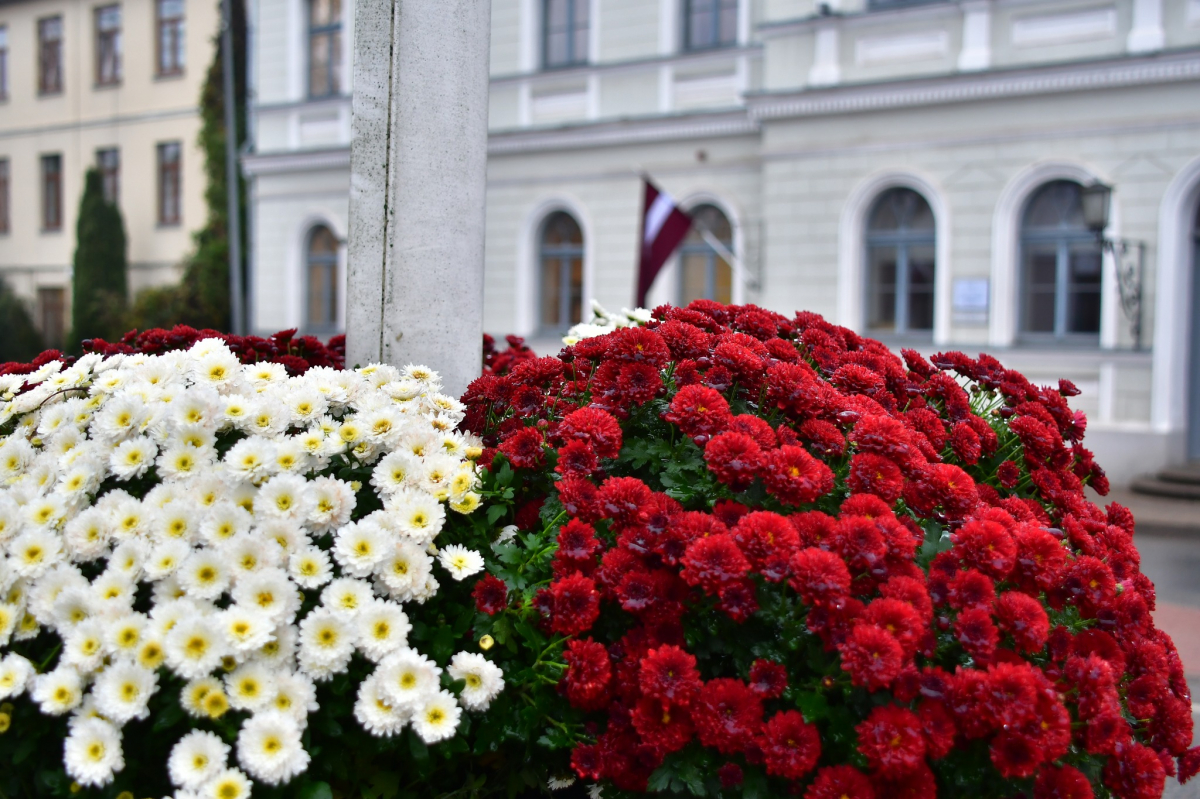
969 300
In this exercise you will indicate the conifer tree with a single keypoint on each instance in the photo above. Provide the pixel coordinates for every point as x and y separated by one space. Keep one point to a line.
99 284
19 339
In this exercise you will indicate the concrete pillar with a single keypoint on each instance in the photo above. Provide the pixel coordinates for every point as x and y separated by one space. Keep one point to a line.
418 160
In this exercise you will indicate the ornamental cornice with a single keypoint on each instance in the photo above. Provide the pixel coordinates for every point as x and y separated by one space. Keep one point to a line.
295 160
966 88
604 134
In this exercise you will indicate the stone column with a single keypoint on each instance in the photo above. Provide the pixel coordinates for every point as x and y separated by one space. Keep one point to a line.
418 160
1146 33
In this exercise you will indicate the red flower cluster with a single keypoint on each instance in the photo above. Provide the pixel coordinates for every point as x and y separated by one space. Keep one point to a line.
915 556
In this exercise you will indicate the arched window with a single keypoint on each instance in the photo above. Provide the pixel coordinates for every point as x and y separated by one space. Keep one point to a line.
1060 265
560 273
901 246
321 274
703 273
324 47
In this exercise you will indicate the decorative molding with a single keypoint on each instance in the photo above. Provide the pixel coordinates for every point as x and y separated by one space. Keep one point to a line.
890 49
976 51
256 164
685 58
623 132
1063 28
826 69
966 88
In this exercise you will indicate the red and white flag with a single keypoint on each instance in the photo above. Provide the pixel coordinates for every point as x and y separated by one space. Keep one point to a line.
663 228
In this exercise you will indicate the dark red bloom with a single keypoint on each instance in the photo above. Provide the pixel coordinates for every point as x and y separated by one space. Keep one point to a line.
872 656
965 443
669 675
794 477
580 498
664 728
768 679
840 782
730 775
1024 618
638 345
1062 782
587 761
714 561
638 383
588 673
987 546
575 604
1135 773
1189 764
819 576
524 449
577 541
768 541
701 412
592 426
624 500
1014 755
971 589
727 715
491 595
875 474
898 618
892 740
974 630
739 599
577 457
790 745
734 458
938 726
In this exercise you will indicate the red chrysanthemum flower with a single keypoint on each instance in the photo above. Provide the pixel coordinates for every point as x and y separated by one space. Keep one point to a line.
491 595
794 477
1189 764
965 443
580 498
739 599
768 541
819 576
577 541
638 383
1024 618
911 590
575 604
1040 557
974 630
971 589
592 426
1011 693
727 715
587 762
637 345
577 457
872 656
1009 474
875 474
1091 581
588 673
790 745
768 679
730 775
524 449
699 411
1135 773
891 739
714 561
898 618
669 675
840 782
987 546
625 500
938 726
734 458
1062 782
756 428
664 728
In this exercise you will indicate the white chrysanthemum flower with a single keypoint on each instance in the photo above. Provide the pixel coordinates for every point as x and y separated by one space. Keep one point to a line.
360 546
281 652
15 673
249 458
81 478
418 515
225 520
460 561
83 646
290 457
269 748
166 558
407 677
123 690
132 458
483 680
394 472
128 557
15 455
86 536
178 521
248 553
295 695
217 369
92 752
9 616
264 374
195 647
34 552
11 519
405 571
197 758
113 593
250 687
128 519
466 504
375 713
246 629
284 496
268 419
347 596
310 567
558 783
436 717
71 606
123 634
306 405
205 574
46 513
236 411
197 437
268 591
180 461
312 441
326 640
192 697
242 494
228 784
382 628
120 418
333 501
59 691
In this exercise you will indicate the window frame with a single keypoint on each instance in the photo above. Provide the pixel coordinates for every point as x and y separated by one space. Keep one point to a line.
330 261
564 255
110 173
903 239
45 47
689 10
52 192
178 26
172 168
108 64
573 28
332 32
3 63
5 197
54 341
1065 241
711 256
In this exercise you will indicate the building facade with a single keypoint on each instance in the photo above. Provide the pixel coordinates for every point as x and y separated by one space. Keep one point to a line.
113 84
913 170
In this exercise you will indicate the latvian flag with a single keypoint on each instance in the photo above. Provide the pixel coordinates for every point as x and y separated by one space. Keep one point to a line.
663 228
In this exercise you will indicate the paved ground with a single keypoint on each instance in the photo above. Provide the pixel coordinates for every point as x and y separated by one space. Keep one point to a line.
1168 538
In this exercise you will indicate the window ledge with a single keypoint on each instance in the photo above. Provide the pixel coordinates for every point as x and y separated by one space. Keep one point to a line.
168 76
99 87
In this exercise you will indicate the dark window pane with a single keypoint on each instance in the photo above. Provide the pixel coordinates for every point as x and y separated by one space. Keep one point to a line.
51 192
722 281
50 55
3 62
51 307
693 284
109 163
1043 270
170 37
920 287
576 291
1057 205
322 271
551 292
4 198
108 45
169 176
901 209
561 279
561 229
881 288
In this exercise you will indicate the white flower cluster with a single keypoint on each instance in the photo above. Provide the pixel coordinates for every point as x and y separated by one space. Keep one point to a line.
163 515
603 322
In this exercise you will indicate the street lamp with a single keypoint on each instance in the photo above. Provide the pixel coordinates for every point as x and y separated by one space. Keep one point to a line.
1128 255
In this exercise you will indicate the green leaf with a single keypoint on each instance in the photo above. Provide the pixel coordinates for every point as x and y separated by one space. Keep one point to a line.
315 790
495 512
814 706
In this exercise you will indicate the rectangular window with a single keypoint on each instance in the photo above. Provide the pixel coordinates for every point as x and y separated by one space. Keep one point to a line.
168 183
4 204
710 23
108 161
50 72
52 192
564 33
324 47
170 37
108 45
3 62
52 316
